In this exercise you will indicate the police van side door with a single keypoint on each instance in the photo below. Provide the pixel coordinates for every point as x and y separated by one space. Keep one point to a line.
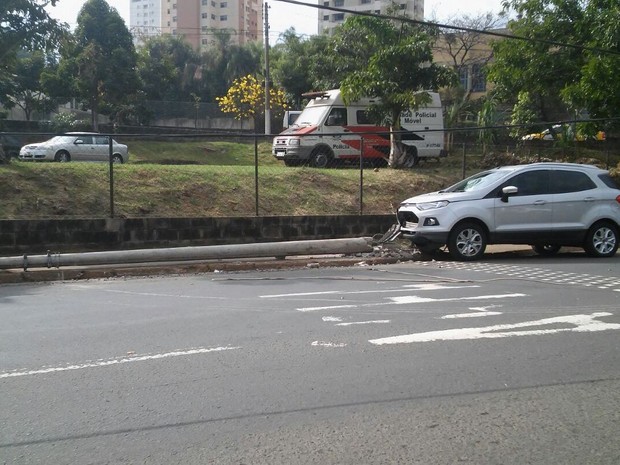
343 142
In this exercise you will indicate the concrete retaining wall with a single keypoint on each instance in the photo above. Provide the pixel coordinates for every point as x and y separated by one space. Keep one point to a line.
74 235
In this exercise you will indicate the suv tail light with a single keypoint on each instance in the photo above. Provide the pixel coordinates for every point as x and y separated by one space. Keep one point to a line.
618 199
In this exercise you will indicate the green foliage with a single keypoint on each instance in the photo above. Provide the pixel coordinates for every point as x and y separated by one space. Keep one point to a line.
523 115
65 122
561 80
392 61
25 89
297 64
223 62
168 68
24 26
99 64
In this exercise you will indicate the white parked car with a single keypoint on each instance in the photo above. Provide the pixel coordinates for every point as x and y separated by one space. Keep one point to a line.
78 146
545 205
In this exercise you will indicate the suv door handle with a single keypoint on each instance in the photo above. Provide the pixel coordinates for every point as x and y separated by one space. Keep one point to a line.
540 202
589 199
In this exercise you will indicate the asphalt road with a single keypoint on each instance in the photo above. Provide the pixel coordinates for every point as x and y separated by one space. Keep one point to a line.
505 361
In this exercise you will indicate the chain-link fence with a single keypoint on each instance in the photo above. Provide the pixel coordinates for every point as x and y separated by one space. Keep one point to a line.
236 174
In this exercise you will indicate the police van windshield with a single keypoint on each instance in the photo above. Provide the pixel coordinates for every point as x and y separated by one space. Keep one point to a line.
311 116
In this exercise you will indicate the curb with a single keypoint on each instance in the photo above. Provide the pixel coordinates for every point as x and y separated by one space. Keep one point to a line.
103 272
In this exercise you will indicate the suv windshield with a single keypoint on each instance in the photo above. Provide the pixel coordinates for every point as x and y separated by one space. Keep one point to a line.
477 181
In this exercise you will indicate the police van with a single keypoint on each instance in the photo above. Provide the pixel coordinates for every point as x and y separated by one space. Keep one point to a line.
327 130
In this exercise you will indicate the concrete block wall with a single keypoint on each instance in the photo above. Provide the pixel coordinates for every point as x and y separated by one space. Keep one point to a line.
73 235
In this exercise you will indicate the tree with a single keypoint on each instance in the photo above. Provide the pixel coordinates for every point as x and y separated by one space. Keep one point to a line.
25 25
246 99
298 65
465 50
223 62
24 90
395 64
169 68
561 80
98 66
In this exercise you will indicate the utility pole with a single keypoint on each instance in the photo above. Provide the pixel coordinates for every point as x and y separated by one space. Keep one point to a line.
267 104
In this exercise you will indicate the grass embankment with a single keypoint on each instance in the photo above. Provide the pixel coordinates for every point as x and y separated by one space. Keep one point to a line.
196 179
213 178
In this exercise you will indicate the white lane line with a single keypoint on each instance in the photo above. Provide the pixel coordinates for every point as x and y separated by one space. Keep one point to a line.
331 318
479 312
115 361
410 299
414 299
328 344
363 323
332 307
581 323
406 288
470 315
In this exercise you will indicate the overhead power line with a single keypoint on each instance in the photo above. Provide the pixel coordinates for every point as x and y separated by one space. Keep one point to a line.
457 28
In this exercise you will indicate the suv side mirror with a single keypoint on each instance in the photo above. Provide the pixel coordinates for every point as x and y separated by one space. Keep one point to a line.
509 191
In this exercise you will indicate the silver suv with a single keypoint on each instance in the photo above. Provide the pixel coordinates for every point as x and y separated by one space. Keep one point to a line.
546 205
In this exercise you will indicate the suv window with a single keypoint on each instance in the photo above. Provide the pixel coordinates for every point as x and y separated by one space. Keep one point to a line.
609 181
563 182
530 183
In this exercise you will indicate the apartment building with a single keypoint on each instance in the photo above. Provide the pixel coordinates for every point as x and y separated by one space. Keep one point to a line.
329 19
196 20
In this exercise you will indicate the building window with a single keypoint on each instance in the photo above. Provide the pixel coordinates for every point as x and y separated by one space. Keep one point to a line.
464 77
338 2
364 2
325 17
338 17
204 15
224 18
223 4
478 79
325 3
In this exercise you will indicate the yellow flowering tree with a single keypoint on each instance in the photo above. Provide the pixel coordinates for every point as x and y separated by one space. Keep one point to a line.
246 99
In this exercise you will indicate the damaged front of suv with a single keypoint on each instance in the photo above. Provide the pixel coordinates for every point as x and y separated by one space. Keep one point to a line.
428 220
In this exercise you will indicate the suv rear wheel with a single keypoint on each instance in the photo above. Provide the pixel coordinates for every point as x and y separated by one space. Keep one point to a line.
467 242
602 240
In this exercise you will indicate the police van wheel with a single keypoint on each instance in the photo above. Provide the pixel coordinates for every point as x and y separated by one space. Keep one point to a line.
411 158
320 158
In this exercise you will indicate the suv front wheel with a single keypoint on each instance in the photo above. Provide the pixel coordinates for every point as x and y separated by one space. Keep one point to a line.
467 242
602 240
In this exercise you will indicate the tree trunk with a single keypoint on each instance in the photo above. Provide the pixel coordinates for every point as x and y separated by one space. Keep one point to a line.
398 154
94 115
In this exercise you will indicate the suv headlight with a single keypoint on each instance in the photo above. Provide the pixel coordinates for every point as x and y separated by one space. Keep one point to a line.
432 205
294 142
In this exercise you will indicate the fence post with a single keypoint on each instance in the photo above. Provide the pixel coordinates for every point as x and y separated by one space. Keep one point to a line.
361 175
256 173
111 165
464 162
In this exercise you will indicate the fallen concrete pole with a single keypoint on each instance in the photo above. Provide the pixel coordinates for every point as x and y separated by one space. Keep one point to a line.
212 252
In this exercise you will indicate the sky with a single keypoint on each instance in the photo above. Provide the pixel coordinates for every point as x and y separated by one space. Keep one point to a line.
285 15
